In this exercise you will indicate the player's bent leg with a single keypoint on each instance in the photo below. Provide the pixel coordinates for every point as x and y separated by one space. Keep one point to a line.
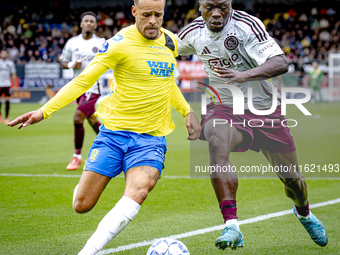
296 189
222 140
294 183
140 181
88 191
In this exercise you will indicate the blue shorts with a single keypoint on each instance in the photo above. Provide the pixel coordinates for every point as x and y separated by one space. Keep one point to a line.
115 151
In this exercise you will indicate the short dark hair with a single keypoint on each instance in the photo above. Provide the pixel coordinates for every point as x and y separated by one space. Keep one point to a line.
88 13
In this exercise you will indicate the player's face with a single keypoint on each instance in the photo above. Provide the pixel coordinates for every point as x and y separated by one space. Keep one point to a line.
149 17
88 24
4 54
215 13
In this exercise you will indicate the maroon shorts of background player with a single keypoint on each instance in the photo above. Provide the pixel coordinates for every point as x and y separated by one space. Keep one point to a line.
272 136
86 104
5 91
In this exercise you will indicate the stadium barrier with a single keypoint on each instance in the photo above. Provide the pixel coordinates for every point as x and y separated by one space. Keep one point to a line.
39 81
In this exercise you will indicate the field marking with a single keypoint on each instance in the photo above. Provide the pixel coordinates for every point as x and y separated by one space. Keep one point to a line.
69 175
38 175
215 228
165 177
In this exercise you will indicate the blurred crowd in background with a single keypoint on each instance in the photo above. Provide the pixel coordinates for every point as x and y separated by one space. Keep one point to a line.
305 31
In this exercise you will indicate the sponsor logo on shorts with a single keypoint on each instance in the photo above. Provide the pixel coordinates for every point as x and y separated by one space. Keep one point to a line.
94 155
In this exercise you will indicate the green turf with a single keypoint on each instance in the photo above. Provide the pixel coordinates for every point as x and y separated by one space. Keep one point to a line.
36 216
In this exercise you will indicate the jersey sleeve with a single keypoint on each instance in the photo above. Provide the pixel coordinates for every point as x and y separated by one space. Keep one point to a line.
178 101
184 48
112 51
260 47
66 54
74 88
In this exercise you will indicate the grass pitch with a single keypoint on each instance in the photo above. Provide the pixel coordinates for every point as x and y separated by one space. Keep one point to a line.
36 215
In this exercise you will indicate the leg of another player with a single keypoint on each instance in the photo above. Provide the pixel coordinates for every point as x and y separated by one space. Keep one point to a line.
139 182
0 105
320 96
95 124
222 140
314 95
7 103
79 133
296 189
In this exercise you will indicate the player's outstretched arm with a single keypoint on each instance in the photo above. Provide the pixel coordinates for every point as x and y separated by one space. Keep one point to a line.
27 119
193 126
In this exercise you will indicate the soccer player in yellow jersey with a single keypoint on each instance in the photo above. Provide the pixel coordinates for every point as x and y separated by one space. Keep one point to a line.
136 117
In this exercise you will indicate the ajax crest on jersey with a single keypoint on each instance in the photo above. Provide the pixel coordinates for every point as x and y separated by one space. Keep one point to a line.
168 246
231 42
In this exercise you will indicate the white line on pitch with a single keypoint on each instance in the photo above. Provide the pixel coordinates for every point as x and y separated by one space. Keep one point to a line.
219 227
38 175
165 176
69 175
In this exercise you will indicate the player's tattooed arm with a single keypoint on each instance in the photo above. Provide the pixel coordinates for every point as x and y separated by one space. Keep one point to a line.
152 172
272 67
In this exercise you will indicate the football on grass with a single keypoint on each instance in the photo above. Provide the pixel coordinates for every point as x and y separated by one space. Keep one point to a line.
168 246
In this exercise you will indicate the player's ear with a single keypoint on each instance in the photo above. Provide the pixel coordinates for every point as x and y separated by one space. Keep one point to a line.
134 11
200 7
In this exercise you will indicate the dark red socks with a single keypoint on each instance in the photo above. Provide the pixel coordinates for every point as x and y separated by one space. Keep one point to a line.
79 133
228 209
